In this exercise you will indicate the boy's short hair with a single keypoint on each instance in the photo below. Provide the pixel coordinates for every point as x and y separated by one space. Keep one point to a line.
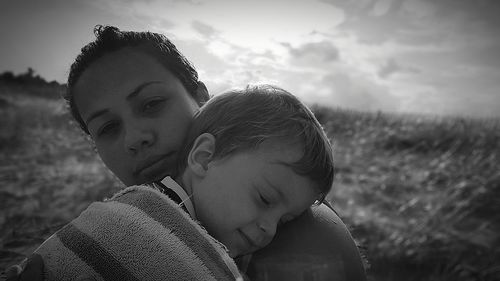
242 119
110 39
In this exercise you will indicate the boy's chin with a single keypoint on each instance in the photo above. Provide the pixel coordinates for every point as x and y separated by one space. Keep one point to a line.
234 253
239 253
236 250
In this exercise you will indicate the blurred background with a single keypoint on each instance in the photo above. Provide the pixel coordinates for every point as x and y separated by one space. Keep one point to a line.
408 91
420 56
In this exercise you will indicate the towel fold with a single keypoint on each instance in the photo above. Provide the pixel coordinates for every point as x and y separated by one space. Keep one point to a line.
139 234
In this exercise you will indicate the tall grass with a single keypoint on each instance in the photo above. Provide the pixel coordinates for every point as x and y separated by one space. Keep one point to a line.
421 194
48 173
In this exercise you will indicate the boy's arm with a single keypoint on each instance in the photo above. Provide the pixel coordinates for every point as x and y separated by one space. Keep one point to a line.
33 271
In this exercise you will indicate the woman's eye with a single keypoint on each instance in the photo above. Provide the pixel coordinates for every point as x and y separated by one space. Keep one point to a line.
108 128
153 105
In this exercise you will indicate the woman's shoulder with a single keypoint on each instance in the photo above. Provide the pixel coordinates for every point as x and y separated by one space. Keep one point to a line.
138 234
317 243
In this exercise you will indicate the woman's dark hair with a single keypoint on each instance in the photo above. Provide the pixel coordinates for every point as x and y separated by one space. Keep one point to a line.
110 39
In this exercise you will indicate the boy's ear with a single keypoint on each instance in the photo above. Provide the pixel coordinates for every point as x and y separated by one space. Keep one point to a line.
201 154
202 95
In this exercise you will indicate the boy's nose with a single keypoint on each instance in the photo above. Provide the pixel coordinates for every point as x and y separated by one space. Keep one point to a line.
268 227
136 139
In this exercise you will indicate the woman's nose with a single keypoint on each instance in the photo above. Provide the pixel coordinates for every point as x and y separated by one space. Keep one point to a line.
137 138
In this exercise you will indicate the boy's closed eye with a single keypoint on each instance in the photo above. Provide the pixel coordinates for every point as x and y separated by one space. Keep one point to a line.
268 201
264 200
267 196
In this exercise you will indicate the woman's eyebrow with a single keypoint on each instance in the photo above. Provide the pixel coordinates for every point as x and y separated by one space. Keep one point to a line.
95 115
130 96
139 88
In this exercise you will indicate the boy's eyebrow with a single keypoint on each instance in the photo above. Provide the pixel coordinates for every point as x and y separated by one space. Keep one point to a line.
134 93
139 88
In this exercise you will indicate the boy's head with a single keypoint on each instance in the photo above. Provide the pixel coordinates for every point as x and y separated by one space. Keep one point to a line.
254 158
135 95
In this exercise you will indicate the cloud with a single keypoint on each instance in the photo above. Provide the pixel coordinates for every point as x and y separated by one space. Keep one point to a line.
423 22
128 2
371 22
357 93
223 66
381 7
192 2
339 88
450 102
47 35
165 24
487 56
417 9
393 67
203 28
485 11
152 23
323 50
418 55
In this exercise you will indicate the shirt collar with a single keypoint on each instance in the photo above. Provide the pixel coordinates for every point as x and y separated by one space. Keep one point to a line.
185 198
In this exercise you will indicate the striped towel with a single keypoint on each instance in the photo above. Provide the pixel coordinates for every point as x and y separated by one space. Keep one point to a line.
139 234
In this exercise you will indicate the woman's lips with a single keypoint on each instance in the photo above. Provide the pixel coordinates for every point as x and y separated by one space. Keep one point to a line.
155 168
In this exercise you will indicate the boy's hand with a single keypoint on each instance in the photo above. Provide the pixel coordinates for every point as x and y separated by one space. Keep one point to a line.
32 271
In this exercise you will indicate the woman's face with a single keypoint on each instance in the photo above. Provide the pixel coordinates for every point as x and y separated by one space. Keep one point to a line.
137 113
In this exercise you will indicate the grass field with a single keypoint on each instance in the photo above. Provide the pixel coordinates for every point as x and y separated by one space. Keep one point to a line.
421 194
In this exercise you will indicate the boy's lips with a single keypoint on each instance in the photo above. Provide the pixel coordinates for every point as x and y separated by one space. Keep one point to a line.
155 168
250 243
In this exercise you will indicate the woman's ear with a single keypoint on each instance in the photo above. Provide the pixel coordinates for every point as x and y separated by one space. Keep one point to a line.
202 95
201 154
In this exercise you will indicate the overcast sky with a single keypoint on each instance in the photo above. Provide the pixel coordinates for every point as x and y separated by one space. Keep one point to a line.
435 57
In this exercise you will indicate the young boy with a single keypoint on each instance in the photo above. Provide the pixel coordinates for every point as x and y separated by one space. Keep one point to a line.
254 159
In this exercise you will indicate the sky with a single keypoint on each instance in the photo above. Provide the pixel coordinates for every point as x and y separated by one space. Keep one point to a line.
411 56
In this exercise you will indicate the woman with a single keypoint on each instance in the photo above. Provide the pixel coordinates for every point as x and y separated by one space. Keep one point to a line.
140 126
